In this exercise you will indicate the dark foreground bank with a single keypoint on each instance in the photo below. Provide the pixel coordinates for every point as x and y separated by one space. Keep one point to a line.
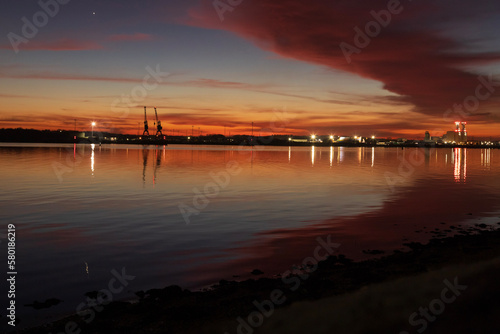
449 285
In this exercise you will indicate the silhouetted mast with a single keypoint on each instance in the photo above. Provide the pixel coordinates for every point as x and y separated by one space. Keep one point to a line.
146 127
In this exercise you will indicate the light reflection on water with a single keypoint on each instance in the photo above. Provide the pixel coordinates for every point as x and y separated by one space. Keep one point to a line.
80 208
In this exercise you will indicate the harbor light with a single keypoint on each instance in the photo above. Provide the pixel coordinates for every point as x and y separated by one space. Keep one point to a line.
313 137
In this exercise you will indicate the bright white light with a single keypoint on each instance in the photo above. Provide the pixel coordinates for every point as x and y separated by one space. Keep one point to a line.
313 136
92 158
93 123
373 137
331 137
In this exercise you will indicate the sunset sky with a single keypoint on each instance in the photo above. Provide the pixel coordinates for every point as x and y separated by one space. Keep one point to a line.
280 64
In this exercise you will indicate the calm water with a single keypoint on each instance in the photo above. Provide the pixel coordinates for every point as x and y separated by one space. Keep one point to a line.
81 211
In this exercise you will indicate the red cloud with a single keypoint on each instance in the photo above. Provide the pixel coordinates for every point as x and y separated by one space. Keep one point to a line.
407 56
132 37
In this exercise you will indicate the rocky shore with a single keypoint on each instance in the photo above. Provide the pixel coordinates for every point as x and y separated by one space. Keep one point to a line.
448 285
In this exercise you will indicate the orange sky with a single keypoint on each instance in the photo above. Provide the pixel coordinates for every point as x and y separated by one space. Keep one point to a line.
288 76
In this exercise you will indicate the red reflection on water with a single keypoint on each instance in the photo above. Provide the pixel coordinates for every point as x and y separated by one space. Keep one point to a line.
410 215
421 202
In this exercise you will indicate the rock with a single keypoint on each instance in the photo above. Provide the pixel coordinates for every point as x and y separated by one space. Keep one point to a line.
373 251
46 304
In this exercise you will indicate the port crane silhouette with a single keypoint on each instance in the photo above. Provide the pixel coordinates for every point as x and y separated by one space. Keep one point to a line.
146 127
158 125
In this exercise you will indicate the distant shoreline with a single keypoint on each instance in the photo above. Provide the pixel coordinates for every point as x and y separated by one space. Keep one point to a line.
72 137
275 144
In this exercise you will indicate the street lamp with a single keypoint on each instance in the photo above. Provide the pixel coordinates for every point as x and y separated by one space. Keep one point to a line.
93 124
